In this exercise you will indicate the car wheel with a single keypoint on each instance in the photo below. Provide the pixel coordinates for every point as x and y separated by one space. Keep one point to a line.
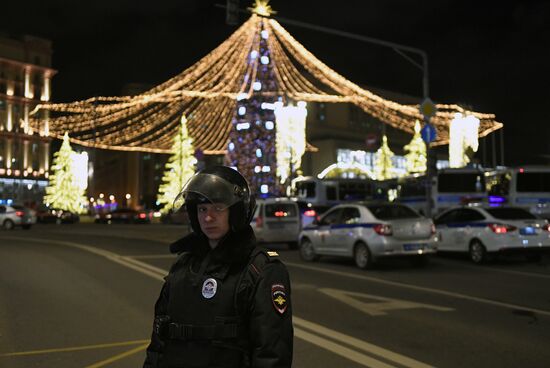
478 253
8 225
362 256
307 252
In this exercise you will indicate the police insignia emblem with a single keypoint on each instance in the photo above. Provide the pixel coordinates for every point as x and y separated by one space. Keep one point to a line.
279 298
209 288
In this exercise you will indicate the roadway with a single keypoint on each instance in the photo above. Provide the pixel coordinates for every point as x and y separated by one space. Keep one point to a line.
83 295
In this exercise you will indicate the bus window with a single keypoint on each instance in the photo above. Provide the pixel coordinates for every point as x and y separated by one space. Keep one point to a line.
533 182
331 193
460 183
305 189
356 190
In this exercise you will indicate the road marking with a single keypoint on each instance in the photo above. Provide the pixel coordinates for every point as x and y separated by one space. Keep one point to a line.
418 288
521 273
359 344
75 348
334 347
153 256
103 363
340 350
381 304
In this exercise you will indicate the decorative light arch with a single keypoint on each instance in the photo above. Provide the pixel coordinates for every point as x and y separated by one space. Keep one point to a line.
207 93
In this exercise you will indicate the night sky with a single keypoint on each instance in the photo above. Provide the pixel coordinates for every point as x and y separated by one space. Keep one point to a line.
492 56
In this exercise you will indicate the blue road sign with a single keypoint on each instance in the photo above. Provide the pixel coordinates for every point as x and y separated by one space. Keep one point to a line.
428 133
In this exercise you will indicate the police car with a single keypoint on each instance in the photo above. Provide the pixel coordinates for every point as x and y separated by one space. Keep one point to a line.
367 232
484 232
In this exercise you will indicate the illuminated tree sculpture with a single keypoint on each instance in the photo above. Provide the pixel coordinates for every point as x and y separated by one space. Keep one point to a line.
416 158
179 168
251 146
64 191
383 168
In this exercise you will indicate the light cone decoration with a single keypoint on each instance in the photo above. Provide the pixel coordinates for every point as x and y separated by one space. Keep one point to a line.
416 156
383 168
179 168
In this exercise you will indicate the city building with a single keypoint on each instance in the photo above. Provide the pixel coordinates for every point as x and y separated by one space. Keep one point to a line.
25 81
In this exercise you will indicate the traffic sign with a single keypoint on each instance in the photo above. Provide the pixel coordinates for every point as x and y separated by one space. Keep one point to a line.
428 108
428 133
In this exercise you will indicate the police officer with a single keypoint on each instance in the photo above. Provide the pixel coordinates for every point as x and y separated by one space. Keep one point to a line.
225 302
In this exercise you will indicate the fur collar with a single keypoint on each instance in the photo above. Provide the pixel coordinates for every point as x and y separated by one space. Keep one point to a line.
236 246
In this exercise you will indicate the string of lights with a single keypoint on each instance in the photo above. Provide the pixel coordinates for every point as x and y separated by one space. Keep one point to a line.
208 91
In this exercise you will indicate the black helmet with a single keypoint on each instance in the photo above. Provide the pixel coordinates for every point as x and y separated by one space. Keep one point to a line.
221 185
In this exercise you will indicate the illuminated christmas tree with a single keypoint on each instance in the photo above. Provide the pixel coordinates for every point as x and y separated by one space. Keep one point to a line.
383 168
64 191
179 168
253 135
416 158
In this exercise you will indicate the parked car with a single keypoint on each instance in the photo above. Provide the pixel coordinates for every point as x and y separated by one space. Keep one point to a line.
123 215
367 232
56 216
16 215
485 232
309 212
277 220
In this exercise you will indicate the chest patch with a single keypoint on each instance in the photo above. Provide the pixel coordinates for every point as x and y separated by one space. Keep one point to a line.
209 288
279 298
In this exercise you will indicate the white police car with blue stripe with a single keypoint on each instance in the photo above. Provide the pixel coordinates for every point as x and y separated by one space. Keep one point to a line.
368 231
485 232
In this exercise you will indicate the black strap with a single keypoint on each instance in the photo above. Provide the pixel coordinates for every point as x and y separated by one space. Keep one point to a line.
180 331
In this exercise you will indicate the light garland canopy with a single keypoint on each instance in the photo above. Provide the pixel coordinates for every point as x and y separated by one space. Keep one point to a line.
207 93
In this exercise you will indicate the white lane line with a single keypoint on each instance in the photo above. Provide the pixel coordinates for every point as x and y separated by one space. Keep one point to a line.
317 340
359 344
521 273
419 288
152 256
338 349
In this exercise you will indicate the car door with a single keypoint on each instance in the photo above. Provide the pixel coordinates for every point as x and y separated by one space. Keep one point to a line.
344 233
445 227
469 220
325 231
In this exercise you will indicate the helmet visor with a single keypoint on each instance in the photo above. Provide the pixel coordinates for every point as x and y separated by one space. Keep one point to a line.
211 188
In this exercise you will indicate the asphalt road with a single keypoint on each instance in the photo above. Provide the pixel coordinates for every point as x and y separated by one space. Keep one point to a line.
83 295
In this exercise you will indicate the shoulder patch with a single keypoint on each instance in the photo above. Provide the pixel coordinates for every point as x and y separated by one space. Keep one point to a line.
279 298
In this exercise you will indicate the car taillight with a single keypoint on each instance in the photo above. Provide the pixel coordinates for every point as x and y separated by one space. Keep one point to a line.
19 213
259 221
310 213
546 227
433 229
280 214
501 228
142 215
383 229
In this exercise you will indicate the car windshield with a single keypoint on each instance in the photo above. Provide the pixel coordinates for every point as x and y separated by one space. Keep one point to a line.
511 214
392 212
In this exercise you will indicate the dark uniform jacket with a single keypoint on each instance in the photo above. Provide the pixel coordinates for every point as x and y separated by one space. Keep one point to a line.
225 307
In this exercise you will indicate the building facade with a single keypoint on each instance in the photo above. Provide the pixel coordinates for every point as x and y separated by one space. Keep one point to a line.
25 81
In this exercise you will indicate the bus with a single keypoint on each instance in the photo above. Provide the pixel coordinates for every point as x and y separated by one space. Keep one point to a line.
527 187
449 187
329 192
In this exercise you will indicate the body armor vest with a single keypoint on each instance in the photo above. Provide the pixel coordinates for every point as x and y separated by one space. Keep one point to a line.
207 310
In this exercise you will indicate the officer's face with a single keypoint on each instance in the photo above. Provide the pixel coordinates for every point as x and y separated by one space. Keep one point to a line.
213 220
